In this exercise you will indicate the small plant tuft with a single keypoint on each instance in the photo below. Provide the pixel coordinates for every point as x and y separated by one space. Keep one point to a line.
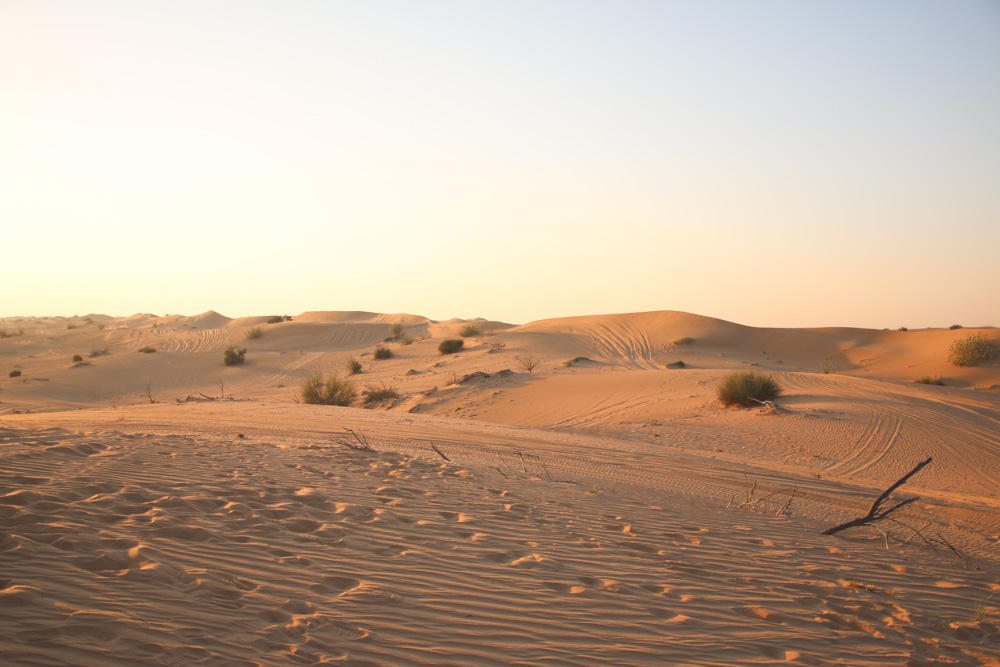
931 379
382 352
234 355
14 374
375 395
319 390
278 319
77 358
972 350
496 344
99 352
574 360
450 345
686 340
147 350
748 388
396 330
253 333
406 339
677 364
469 330
353 366
826 366
528 361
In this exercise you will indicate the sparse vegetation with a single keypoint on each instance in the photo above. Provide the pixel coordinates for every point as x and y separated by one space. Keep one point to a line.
14 374
574 360
253 333
77 358
4 333
677 364
748 388
450 345
686 340
496 344
469 330
930 379
98 352
406 339
528 361
825 366
70 326
234 355
332 390
278 319
382 352
373 396
955 326
148 350
903 329
972 350
396 330
353 366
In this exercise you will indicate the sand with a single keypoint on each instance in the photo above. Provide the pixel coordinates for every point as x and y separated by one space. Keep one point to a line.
162 508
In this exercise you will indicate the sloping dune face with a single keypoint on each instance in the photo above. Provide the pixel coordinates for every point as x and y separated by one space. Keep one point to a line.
568 491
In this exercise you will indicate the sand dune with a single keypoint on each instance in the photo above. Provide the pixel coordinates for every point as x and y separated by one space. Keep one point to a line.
162 508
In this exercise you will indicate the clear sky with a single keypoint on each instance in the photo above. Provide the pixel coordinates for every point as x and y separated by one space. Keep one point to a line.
773 163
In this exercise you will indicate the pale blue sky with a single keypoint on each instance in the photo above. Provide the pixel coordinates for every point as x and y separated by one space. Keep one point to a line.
774 163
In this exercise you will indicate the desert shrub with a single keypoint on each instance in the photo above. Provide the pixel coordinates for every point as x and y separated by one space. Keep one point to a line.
70 326
372 396
406 339
469 330
955 326
353 366
825 366
496 345
574 360
101 327
319 390
253 333
677 364
147 350
972 350
99 352
77 357
4 333
278 319
686 340
930 379
903 329
450 345
747 388
14 374
234 355
396 330
382 352
527 361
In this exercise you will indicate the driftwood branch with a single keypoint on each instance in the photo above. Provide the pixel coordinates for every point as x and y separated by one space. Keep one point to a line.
875 514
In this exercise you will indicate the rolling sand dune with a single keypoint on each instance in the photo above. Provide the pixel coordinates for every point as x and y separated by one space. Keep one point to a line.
162 508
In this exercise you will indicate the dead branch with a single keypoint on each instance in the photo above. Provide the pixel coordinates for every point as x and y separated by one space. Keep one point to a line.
355 440
149 392
440 453
497 468
874 514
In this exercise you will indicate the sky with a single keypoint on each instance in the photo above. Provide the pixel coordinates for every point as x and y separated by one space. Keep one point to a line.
773 163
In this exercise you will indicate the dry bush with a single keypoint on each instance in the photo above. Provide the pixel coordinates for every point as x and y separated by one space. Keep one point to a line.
253 333
469 330
528 361
353 366
382 352
974 349
748 388
319 390
234 355
450 345
375 395
396 331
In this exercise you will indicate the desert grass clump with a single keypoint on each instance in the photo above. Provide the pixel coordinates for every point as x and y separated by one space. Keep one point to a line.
406 339
148 350
234 355
278 319
375 395
469 330
77 358
14 374
382 352
972 350
450 345
748 388
353 366
332 390
253 333
396 330
496 344
930 379
574 360
825 367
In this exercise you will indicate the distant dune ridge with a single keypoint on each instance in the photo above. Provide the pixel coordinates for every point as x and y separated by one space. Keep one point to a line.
559 492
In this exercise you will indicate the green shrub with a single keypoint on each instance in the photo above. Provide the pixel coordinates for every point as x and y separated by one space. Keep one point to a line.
748 388
972 350
147 350
254 332
396 330
234 355
469 330
450 345
77 357
332 390
382 352
931 379
14 374
353 366
677 364
371 396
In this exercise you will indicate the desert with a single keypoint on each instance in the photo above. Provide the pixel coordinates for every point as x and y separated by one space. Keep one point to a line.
569 491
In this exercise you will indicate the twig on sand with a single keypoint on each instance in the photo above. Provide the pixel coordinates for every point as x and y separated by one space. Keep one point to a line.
499 470
440 453
355 440
874 514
